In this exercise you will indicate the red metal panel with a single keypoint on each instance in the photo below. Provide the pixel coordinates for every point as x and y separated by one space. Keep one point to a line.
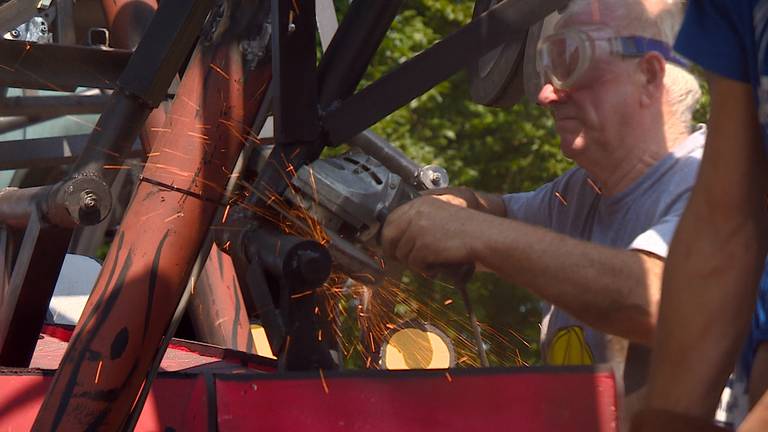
175 402
532 400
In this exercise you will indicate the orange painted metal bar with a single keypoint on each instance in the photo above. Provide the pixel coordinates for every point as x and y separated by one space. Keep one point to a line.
150 261
216 306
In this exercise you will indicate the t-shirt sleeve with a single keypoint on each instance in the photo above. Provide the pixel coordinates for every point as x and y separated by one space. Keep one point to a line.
657 239
531 207
715 37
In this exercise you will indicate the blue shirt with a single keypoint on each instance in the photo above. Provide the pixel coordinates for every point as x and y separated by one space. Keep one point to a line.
730 38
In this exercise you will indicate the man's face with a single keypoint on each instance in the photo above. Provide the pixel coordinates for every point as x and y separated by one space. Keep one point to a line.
591 114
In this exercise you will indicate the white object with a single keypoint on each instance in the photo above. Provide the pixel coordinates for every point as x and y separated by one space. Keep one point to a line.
76 280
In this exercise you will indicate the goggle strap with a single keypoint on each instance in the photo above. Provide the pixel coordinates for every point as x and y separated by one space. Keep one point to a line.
637 46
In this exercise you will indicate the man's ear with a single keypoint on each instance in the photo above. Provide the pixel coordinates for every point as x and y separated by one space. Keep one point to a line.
652 68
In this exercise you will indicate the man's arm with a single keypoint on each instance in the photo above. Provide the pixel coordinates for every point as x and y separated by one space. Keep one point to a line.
610 289
714 263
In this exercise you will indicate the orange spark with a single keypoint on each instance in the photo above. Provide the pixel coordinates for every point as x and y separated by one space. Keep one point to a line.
303 294
157 129
594 186
226 213
116 167
561 198
98 372
90 125
150 215
177 215
197 135
448 377
220 71
322 379
153 154
447 302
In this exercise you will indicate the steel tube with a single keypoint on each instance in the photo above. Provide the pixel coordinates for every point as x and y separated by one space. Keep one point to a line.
352 48
18 205
113 136
10 124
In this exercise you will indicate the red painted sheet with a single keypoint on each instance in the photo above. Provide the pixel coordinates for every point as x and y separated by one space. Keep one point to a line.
175 403
214 389
531 400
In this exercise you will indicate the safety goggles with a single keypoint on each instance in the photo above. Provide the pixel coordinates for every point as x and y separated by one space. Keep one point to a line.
565 58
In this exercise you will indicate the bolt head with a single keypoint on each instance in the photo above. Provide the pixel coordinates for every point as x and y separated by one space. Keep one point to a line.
88 199
15 33
435 178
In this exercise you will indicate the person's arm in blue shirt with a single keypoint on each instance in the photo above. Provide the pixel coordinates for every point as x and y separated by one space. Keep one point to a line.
715 262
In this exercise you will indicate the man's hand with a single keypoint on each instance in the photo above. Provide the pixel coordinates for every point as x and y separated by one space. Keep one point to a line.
469 198
429 232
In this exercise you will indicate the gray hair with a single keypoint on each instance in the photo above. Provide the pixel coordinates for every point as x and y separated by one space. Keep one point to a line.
658 19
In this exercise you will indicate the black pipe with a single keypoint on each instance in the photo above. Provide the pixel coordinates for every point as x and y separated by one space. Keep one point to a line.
300 262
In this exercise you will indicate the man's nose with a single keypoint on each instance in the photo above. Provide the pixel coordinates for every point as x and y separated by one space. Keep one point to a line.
549 94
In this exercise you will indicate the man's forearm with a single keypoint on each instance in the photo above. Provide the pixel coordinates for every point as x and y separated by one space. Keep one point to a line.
613 290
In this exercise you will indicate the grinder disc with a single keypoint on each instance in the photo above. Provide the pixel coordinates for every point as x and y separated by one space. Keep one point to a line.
503 76
496 78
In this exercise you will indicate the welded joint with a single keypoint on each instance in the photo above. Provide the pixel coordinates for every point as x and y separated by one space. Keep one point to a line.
82 200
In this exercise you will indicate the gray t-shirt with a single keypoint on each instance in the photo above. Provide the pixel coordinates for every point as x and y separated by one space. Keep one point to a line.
642 217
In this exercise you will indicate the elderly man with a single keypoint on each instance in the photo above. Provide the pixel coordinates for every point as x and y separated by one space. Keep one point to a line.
592 243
